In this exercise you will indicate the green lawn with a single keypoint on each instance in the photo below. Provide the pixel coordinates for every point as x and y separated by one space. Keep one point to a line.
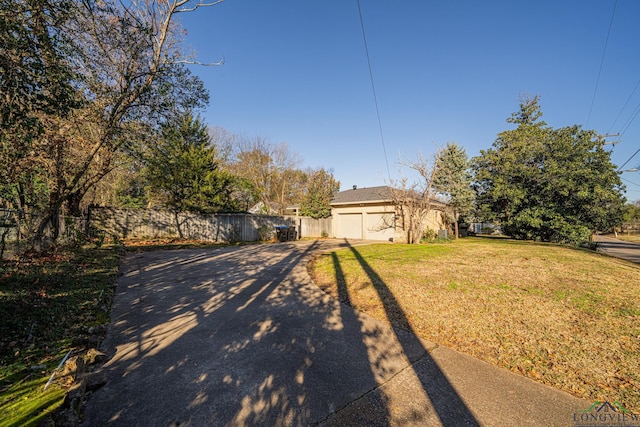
566 317
47 305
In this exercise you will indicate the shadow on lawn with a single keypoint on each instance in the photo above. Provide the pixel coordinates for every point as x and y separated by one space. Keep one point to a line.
450 408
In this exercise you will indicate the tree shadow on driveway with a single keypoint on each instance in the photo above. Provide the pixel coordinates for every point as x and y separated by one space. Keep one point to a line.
236 336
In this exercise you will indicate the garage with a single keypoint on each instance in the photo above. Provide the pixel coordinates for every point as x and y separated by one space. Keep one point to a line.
371 214
350 226
380 226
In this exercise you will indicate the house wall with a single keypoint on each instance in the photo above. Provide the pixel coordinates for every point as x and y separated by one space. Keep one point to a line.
434 221
365 221
376 222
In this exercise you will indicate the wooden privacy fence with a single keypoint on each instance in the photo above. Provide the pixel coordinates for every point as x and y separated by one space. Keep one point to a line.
153 223
311 227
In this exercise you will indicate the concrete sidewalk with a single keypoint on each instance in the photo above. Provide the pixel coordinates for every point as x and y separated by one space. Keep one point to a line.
241 336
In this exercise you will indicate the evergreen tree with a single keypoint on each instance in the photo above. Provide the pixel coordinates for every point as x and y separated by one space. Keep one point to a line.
182 171
321 188
548 184
453 180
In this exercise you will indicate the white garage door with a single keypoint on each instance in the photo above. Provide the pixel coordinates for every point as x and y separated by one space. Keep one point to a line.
350 226
380 226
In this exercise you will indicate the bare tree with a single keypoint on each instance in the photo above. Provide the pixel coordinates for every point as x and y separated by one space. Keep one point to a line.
271 170
414 200
130 76
224 143
289 182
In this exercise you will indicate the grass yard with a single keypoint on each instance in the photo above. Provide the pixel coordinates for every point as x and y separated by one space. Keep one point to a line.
566 317
47 307
627 237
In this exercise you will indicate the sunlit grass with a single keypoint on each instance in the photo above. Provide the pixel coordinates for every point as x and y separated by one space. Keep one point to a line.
566 317
24 402
627 236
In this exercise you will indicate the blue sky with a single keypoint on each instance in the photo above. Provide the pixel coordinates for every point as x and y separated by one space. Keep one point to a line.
296 72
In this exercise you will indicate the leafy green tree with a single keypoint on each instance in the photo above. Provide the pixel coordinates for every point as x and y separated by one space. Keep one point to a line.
128 189
34 76
182 171
632 212
548 184
321 188
453 180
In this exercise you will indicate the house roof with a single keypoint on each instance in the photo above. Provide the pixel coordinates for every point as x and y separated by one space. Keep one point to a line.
381 194
363 195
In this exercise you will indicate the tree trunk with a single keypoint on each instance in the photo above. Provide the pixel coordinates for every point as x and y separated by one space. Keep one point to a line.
3 238
176 216
73 204
51 217
38 244
455 221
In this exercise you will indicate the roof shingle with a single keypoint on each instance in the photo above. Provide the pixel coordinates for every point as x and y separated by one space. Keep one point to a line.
363 195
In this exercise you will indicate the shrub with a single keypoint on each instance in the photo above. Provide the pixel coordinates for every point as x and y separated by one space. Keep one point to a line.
265 233
429 235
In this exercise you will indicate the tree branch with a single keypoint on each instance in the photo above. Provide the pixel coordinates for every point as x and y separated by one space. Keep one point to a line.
191 9
204 64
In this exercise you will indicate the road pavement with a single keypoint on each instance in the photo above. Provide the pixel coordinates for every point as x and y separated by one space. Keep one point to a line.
618 248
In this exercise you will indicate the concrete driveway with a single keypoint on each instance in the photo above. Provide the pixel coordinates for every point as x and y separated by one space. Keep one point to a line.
241 336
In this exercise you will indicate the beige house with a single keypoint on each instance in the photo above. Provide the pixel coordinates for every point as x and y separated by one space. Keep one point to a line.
370 214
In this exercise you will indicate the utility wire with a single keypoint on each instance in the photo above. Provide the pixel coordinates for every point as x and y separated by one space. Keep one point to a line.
624 106
630 120
630 182
604 51
629 159
373 88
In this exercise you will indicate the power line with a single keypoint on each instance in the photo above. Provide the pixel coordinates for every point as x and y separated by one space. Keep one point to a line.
604 51
373 88
624 106
630 182
629 159
630 120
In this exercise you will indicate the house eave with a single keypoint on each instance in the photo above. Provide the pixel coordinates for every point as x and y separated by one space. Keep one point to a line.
361 202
